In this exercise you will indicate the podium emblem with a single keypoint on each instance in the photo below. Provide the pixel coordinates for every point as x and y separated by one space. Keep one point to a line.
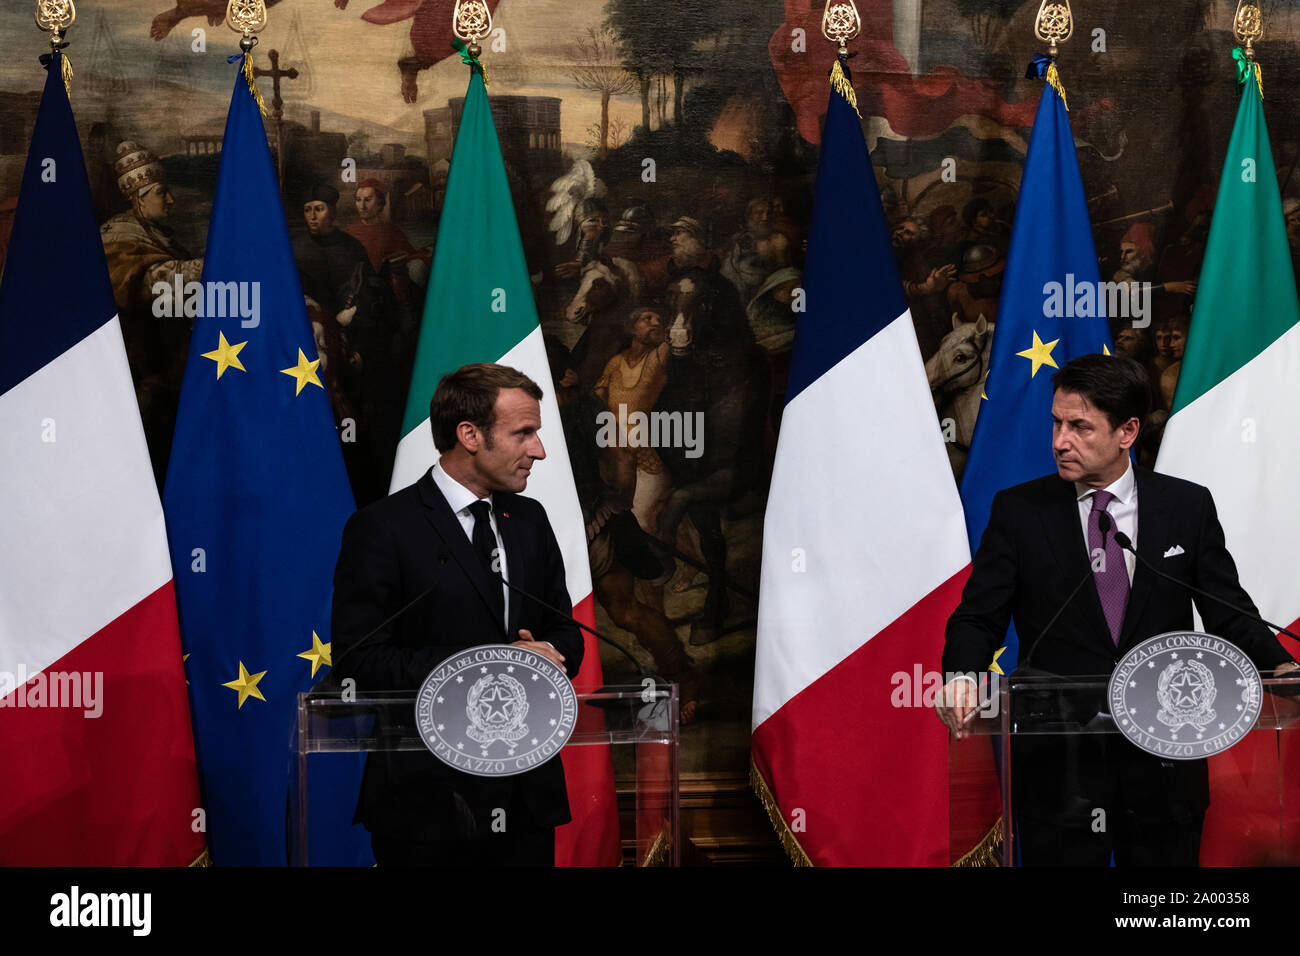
495 710
1185 695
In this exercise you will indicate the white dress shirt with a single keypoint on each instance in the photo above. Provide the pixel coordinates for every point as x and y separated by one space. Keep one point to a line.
460 498
1123 511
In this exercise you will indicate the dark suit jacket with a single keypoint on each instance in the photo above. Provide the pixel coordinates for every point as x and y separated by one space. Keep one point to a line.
1032 554
393 550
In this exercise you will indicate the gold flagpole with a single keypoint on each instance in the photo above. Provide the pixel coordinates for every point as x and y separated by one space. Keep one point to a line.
54 17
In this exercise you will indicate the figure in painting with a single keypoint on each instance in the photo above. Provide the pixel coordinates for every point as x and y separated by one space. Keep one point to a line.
141 252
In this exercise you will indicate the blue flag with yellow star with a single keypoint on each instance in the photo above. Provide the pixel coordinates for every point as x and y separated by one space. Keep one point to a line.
1052 309
256 497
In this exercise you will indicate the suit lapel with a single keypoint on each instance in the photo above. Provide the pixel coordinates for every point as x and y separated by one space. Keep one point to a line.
1153 525
508 525
444 521
1065 538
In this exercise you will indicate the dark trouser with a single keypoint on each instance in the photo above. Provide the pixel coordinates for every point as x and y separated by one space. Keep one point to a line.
532 848
1078 799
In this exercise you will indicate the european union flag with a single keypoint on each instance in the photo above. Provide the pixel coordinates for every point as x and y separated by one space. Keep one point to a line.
255 499
1051 310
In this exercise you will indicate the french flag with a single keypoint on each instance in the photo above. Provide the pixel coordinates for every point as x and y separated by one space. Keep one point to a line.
864 551
95 739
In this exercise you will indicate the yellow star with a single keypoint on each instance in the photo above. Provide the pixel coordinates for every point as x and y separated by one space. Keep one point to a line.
226 355
319 655
246 685
1040 354
1105 349
304 372
994 666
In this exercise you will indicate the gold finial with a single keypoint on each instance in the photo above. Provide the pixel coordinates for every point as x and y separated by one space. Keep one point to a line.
246 17
1248 26
54 17
841 23
471 20
1054 24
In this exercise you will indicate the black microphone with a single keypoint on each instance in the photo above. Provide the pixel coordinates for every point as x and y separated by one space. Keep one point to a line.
641 671
1104 523
1126 543
334 669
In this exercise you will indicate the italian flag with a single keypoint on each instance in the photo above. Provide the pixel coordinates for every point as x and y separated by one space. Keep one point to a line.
480 308
1235 428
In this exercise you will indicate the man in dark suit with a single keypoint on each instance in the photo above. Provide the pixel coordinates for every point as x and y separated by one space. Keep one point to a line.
455 533
1041 538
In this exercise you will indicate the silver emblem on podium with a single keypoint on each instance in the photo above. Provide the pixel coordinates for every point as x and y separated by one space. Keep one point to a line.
1185 695
495 710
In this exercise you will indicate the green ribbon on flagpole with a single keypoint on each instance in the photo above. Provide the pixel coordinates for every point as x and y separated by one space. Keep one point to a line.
1244 68
469 59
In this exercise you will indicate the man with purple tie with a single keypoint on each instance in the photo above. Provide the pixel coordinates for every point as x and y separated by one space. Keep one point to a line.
1081 798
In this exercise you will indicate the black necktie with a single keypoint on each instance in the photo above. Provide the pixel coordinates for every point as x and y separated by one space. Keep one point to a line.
485 544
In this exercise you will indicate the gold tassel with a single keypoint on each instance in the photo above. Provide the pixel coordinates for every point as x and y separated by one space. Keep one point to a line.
67 73
252 84
987 852
658 852
841 85
788 840
1054 81
1259 79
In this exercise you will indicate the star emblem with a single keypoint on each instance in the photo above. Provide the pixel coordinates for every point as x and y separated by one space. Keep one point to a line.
1185 689
1039 354
304 372
226 355
318 654
246 684
536 676
496 705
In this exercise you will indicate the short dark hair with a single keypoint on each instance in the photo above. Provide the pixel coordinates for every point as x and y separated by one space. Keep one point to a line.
1116 385
469 394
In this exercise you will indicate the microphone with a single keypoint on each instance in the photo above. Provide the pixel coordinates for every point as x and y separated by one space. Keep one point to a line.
334 669
641 671
1104 523
1126 543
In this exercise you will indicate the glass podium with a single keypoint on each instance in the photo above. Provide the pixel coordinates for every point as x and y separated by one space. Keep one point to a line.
632 728
1044 775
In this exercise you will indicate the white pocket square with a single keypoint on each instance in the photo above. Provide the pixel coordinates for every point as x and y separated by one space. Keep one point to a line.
1174 551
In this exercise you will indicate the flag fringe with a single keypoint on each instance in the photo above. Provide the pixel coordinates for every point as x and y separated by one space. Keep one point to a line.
1054 81
252 83
765 796
987 852
841 85
657 855
203 859
66 72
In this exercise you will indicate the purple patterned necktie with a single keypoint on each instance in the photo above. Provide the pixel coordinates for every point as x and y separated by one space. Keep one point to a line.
1111 574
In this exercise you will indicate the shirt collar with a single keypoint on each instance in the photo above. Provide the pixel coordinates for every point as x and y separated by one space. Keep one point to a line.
1122 487
458 496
